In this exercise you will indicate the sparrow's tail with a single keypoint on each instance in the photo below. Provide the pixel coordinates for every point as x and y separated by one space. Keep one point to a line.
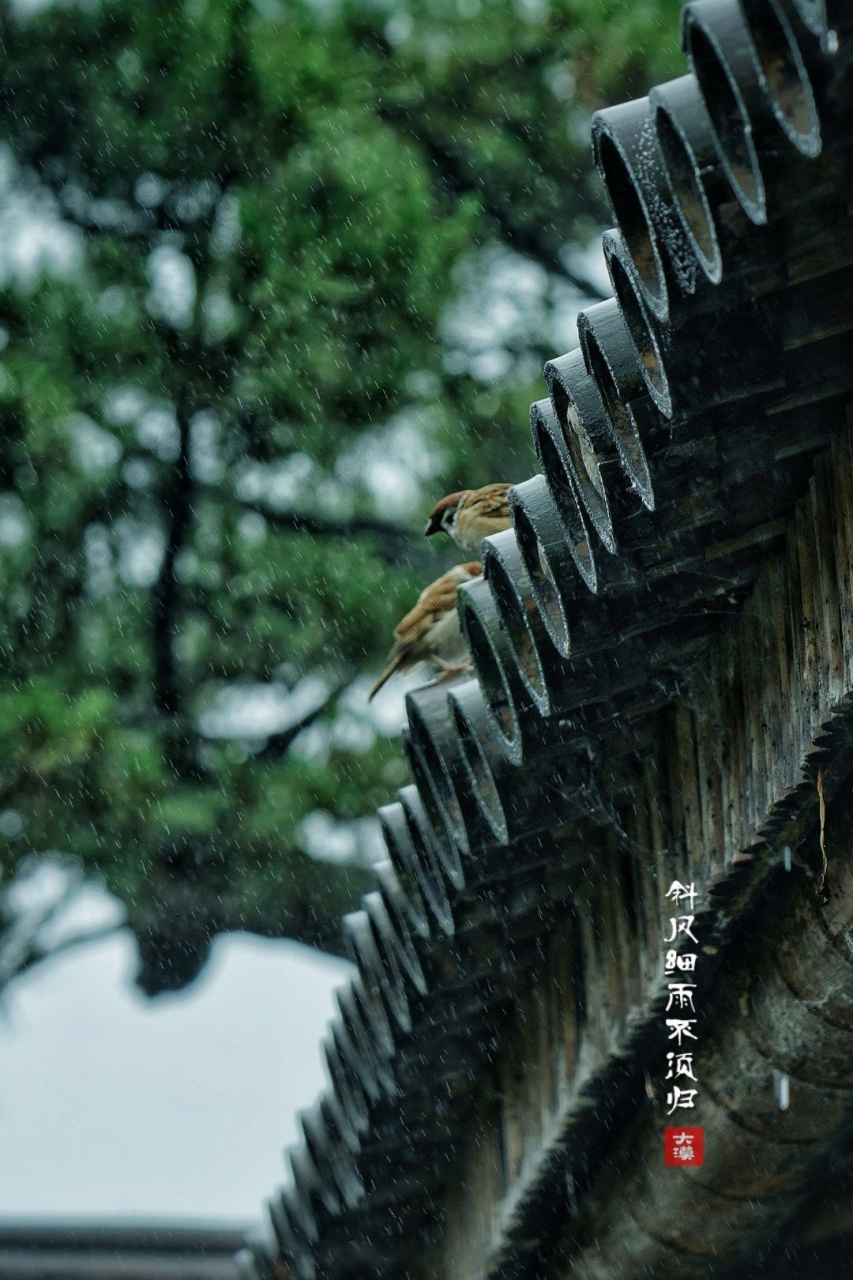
386 675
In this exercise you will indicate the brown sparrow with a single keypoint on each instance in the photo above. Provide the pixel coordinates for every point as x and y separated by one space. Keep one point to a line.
431 632
471 515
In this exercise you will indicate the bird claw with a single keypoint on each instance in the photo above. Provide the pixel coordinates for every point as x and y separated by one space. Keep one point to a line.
448 671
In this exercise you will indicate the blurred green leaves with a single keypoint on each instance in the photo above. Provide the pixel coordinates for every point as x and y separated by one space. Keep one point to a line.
225 416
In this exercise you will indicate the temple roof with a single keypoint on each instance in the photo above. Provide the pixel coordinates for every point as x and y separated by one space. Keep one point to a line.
663 665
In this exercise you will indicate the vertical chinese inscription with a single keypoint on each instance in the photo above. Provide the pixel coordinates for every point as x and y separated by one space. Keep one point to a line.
681 1146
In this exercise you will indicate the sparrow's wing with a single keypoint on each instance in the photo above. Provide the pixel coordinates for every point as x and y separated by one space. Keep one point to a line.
433 603
491 502
411 637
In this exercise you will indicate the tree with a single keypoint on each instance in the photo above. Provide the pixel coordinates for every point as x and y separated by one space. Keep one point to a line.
269 350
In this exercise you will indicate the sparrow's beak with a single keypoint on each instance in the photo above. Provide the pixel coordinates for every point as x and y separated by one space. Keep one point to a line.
433 525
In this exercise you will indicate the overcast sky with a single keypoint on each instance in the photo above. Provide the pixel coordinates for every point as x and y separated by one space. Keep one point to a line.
112 1105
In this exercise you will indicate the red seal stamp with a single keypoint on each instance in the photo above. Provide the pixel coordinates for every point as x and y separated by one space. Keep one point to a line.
683 1147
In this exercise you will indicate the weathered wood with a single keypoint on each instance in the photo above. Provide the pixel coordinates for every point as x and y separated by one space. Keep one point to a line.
438 770
519 983
825 525
731 497
728 726
661 261
413 861
842 473
777 1021
612 364
723 58
539 530
806 236
708 749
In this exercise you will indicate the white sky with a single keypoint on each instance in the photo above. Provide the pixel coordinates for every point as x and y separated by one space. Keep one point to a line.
112 1105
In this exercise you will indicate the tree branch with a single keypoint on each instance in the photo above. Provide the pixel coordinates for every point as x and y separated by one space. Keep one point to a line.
523 239
329 527
175 928
396 542
139 225
278 744
36 955
20 949
165 596
19 940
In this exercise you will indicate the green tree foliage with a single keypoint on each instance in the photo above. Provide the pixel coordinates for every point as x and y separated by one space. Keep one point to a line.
276 336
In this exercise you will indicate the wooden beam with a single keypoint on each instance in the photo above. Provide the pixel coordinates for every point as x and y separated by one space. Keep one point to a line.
730 789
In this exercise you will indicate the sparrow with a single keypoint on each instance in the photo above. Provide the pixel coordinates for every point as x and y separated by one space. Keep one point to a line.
430 632
471 515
